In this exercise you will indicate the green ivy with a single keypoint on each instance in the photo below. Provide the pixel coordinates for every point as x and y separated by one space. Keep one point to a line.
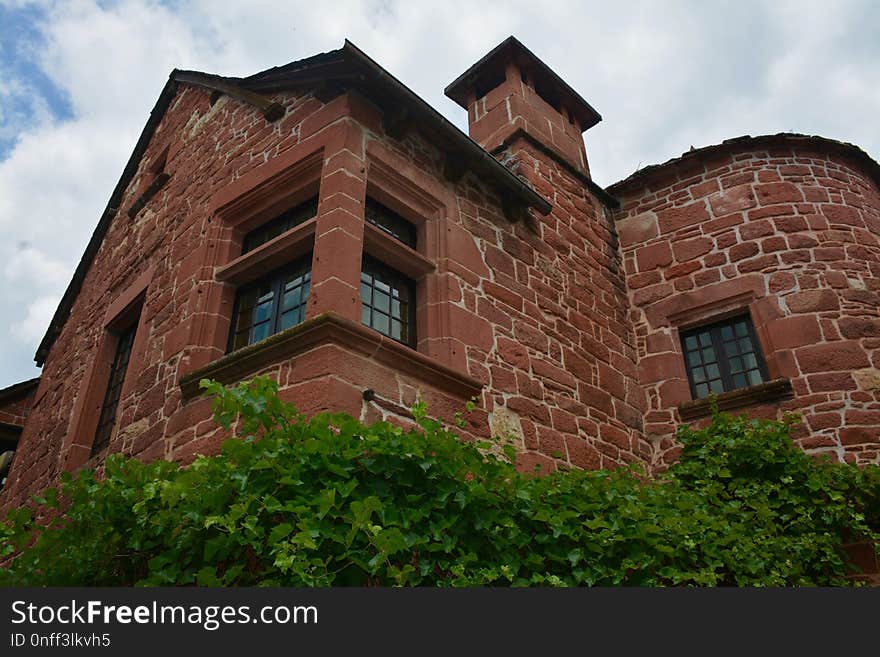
329 501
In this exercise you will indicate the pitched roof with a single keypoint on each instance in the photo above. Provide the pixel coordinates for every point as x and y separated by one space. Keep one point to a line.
347 66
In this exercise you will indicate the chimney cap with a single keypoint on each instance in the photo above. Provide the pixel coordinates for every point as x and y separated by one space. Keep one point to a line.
512 49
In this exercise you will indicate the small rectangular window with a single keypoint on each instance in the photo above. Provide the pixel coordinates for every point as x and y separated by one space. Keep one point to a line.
280 224
388 301
271 304
390 222
107 420
723 356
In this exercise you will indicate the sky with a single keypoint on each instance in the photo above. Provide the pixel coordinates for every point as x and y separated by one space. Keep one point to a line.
78 80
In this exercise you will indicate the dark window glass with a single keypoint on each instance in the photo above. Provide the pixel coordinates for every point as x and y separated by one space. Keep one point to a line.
390 222
388 301
280 224
107 420
272 304
723 356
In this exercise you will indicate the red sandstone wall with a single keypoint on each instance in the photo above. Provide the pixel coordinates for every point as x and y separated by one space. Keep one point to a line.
534 314
789 233
15 409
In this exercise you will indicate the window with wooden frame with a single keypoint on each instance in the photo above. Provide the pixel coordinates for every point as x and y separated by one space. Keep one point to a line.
388 297
118 369
722 357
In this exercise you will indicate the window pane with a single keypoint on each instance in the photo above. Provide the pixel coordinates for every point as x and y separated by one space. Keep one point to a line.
280 224
107 419
380 323
722 357
257 314
382 302
386 296
390 222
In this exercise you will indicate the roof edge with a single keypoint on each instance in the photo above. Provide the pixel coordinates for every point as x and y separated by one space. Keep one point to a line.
73 288
746 142
455 90
16 389
240 88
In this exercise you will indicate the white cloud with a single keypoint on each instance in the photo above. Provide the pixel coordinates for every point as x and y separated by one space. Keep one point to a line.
665 76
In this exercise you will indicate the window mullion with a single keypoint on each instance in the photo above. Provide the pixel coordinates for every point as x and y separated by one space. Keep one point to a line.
277 286
721 357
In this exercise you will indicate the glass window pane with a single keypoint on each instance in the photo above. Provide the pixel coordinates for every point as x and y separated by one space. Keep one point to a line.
755 377
262 331
702 390
280 224
381 302
694 358
736 365
713 372
708 355
699 375
258 316
263 312
745 344
730 349
739 380
386 296
716 386
726 332
741 329
705 339
390 222
380 322
291 299
690 342
751 361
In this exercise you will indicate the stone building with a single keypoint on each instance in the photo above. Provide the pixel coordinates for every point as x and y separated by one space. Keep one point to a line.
320 223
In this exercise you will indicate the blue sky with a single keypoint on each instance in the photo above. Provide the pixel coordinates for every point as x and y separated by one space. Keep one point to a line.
19 46
78 79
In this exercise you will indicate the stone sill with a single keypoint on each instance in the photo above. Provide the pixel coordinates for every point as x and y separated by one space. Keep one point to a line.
330 328
769 391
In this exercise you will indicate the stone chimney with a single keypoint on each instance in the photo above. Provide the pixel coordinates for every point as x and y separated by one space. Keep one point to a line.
511 94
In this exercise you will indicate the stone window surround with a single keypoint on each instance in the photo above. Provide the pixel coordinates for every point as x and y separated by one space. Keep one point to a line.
124 310
729 301
303 172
